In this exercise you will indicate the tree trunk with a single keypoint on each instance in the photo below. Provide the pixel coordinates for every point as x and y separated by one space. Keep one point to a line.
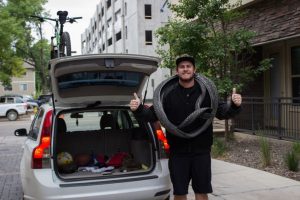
226 133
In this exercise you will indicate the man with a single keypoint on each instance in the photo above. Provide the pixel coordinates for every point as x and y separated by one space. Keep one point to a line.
189 158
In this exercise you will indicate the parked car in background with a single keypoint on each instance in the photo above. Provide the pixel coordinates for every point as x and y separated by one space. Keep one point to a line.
31 102
44 98
12 107
89 145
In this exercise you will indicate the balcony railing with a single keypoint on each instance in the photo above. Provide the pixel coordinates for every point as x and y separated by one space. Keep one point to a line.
277 117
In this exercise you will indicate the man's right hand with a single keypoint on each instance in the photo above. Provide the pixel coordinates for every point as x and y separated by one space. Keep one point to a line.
135 103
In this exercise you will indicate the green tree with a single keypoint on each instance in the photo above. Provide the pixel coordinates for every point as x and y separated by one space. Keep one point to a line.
15 35
205 30
41 55
10 63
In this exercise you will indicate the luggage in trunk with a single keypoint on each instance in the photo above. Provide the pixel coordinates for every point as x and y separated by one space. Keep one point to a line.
102 144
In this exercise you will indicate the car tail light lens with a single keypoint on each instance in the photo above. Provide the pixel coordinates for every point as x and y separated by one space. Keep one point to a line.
163 143
41 153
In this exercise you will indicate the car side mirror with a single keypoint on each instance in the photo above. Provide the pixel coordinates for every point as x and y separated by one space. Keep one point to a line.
21 132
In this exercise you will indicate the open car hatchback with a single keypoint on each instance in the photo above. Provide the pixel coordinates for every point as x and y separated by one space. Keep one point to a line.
90 145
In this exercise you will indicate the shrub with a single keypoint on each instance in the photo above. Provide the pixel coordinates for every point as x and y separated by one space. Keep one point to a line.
296 148
265 150
218 147
292 161
292 158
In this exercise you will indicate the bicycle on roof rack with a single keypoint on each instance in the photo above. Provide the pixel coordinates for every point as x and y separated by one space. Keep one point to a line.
61 46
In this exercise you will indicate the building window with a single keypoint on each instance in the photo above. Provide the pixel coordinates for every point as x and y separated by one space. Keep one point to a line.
23 87
109 41
118 36
83 44
148 37
148 12
108 3
7 88
117 15
108 22
295 64
102 11
126 35
103 47
125 8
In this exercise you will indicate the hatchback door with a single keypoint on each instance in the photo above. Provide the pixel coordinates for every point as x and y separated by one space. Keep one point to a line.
105 79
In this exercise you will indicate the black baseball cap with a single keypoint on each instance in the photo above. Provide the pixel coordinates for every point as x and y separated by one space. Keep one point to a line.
185 57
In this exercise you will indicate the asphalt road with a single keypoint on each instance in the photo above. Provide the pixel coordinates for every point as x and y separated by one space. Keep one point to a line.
10 157
7 128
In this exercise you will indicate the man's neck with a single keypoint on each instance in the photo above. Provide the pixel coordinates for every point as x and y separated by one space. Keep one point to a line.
187 84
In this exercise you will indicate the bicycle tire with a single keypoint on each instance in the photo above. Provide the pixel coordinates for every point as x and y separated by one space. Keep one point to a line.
65 44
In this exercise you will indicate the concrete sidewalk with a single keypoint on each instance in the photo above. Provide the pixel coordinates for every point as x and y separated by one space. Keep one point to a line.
236 182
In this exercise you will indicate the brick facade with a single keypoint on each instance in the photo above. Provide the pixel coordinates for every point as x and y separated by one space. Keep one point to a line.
272 20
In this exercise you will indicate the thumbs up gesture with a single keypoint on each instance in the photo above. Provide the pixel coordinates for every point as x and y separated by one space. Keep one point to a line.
236 98
135 103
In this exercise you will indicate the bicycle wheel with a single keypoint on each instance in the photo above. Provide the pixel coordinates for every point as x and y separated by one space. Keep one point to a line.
65 44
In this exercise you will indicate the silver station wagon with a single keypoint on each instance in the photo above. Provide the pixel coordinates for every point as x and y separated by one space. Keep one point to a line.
86 143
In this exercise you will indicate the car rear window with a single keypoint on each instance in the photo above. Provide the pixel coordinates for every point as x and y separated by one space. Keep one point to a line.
78 79
99 120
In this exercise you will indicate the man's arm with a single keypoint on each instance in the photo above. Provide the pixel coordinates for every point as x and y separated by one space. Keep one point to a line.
142 112
226 111
145 113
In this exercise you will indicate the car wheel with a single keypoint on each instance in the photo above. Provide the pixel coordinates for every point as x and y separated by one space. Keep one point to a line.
12 115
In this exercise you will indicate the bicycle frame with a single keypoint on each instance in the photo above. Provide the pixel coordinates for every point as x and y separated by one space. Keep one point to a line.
56 46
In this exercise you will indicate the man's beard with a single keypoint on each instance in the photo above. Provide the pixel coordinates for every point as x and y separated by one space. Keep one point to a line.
186 80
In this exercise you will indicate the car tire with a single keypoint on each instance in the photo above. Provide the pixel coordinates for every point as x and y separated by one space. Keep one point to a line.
12 115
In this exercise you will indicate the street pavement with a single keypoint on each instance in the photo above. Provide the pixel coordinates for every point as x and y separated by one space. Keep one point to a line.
230 181
10 157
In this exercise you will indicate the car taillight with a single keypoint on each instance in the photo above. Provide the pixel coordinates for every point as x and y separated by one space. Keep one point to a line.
41 153
163 142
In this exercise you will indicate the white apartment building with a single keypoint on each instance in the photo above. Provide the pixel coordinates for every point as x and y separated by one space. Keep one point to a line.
127 26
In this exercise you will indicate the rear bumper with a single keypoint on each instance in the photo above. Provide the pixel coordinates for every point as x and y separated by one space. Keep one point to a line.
43 187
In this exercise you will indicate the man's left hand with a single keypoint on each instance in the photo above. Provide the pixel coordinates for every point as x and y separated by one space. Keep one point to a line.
236 98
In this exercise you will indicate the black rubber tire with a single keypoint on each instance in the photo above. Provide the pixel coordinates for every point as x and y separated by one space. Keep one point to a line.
166 86
12 115
65 46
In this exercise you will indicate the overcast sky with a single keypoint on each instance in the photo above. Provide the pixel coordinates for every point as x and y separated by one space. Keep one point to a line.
76 8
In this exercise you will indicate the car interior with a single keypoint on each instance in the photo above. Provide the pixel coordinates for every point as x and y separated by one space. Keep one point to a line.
120 145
